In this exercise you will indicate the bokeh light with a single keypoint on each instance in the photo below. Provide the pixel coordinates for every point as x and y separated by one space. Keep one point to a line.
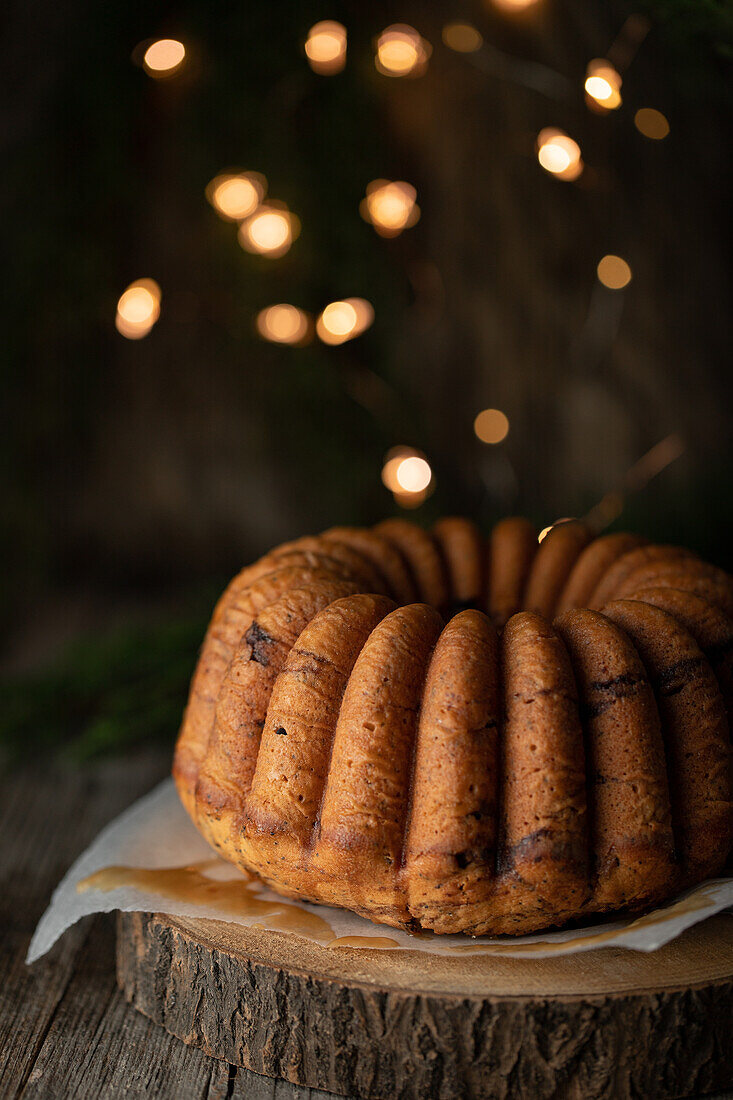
284 324
613 272
413 474
164 57
546 530
392 460
270 231
559 154
138 309
407 474
236 195
325 47
651 123
344 320
491 426
603 85
390 206
462 37
401 51
514 5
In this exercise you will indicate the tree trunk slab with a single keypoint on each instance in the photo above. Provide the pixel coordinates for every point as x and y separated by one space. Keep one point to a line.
370 1023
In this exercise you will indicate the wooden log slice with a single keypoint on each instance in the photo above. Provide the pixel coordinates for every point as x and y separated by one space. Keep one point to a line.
371 1023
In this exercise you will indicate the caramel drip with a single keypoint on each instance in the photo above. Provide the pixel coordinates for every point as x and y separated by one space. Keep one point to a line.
236 896
381 943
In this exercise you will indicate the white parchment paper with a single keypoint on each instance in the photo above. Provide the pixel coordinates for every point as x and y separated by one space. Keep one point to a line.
156 833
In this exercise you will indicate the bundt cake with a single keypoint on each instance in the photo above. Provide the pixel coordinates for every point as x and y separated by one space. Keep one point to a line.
443 732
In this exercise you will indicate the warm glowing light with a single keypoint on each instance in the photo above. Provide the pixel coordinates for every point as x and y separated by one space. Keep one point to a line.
559 154
401 51
393 459
283 324
138 309
613 272
546 530
325 47
603 84
598 87
491 426
344 320
339 318
164 57
270 231
390 206
651 123
462 37
406 473
236 195
514 5
413 474
140 304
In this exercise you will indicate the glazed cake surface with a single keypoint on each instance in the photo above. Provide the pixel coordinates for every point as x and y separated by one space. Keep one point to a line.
443 731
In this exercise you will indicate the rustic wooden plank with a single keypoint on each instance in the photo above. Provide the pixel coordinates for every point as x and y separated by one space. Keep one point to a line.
28 1002
47 816
221 1082
96 1046
237 1083
29 867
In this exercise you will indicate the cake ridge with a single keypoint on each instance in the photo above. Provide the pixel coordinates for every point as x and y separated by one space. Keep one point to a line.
689 745
627 783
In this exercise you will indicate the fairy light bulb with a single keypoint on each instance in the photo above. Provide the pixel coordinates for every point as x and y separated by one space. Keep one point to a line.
546 530
138 308
651 123
401 51
270 231
613 272
514 5
491 426
325 47
164 57
390 206
462 37
235 196
344 320
339 318
603 84
407 474
559 154
413 474
283 324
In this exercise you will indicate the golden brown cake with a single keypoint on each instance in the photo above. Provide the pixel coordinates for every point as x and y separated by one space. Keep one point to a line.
445 732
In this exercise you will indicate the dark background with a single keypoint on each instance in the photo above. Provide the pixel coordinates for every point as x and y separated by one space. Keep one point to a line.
138 475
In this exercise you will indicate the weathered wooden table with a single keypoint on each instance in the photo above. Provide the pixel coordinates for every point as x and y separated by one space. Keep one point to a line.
65 1029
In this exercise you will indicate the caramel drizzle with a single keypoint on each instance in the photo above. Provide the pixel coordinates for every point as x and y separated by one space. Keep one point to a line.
383 943
238 896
